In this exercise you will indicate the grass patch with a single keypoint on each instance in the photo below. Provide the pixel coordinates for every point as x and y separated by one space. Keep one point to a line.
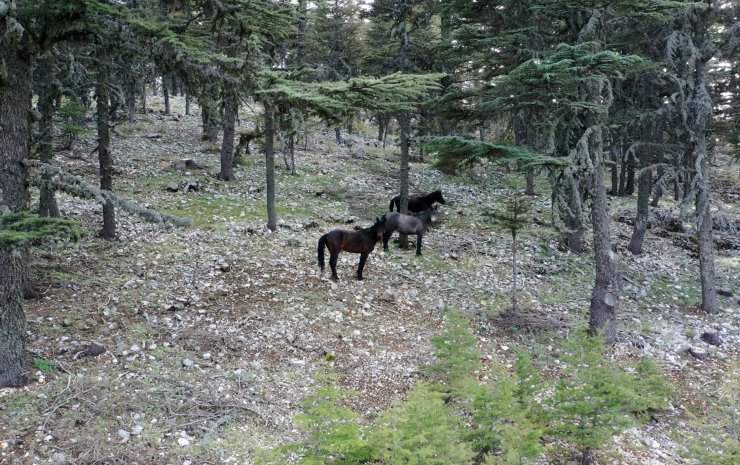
43 365
208 212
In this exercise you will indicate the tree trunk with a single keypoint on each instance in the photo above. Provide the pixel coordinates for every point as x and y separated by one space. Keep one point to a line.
629 185
701 110
615 173
15 121
381 126
338 135
270 169
513 273
302 25
187 102
129 96
605 295
143 97
14 368
166 94
529 190
154 86
658 160
209 115
47 108
104 156
403 122
231 101
644 186
622 173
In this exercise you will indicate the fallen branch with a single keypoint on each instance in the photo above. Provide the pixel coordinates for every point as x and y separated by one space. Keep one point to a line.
53 177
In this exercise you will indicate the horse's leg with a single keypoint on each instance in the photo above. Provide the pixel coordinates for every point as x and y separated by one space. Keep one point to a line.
333 264
418 244
363 259
386 236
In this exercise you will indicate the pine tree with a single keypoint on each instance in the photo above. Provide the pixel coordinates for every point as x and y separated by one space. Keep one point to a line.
421 430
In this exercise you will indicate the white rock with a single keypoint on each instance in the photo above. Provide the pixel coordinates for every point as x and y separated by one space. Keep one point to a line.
125 435
183 442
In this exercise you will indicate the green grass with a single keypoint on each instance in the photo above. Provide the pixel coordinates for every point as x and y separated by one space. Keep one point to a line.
43 365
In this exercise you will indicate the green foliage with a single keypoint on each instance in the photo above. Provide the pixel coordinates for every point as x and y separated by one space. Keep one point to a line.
651 389
335 435
512 217
457 358
421 430
43 365
594 398
25 228
716 435
458 152
508 423
335 101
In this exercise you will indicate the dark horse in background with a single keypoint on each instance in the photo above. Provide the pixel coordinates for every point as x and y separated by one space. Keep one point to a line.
409 224
361 242
418 204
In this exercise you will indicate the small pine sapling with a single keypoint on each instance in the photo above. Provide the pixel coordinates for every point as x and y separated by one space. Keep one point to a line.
456 359
335 434
594 399
422 430
512 219
507 421
70 113
715 437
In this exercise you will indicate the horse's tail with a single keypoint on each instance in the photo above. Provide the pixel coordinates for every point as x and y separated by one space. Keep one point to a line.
322 244
393 200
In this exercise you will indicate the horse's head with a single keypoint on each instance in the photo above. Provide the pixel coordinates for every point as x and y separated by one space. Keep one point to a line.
379 227
433 214
438 196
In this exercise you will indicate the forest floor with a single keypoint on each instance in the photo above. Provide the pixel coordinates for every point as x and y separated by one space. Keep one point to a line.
213 333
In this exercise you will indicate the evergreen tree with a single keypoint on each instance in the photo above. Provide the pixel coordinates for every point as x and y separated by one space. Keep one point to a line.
421 430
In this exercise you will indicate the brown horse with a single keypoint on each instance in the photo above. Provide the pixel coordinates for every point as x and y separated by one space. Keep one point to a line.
361 242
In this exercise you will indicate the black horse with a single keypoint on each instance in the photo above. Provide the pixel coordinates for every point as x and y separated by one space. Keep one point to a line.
409 224
362 242
418 204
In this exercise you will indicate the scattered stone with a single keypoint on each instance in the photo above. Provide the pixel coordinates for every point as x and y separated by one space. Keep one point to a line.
93 350
207 356
183 442
186 164
389 295
712 339
173 186
723 291
187 363
311 225
698 353
338 306
152 135
125 435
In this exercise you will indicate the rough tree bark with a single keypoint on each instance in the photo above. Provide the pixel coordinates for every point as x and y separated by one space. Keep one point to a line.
605 295
270 168
644 186
231 100
47 107
403 122
104 156
15 121
166 95
701 110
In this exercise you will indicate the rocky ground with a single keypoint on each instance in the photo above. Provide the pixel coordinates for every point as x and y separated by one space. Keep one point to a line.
211 335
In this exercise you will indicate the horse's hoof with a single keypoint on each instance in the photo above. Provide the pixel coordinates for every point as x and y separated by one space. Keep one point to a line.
418 255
